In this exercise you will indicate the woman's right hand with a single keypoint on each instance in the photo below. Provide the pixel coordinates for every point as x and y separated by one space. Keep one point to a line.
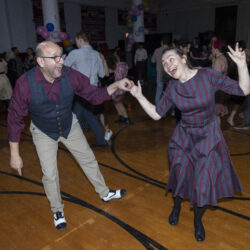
136 90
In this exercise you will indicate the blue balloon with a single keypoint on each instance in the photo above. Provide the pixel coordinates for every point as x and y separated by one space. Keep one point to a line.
68 49
134 18
50 27
72 40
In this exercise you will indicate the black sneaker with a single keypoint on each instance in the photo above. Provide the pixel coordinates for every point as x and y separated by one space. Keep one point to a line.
126 121
120 120
114 194
59 221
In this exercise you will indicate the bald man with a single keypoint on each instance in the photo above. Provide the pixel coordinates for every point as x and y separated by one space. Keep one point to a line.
46 92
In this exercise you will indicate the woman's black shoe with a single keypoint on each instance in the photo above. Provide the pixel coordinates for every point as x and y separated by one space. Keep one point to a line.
174 216
199 231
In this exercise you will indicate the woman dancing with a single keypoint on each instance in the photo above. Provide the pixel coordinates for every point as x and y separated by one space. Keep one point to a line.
200 165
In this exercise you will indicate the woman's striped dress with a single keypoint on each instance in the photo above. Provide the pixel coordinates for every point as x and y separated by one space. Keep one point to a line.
200 165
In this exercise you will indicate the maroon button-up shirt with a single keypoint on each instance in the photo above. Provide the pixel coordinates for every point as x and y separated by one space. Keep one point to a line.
18 107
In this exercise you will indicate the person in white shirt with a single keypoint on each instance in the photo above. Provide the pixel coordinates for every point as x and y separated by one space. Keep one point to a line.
140 61
90 63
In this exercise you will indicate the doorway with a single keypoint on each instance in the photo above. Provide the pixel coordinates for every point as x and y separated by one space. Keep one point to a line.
225 23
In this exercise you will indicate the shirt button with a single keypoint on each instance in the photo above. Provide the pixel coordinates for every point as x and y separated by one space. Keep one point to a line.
58 118
57 105
59 123
57 112
60 128
60 132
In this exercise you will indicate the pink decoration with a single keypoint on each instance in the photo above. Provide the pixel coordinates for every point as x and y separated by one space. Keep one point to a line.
140 7
40 30
130 12
62 36
45 34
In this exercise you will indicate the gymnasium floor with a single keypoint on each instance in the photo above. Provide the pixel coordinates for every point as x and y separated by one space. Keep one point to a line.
136 161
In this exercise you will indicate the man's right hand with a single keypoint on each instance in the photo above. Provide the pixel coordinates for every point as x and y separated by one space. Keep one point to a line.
16 163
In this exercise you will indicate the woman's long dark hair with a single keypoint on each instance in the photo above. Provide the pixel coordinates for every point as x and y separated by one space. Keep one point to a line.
180 53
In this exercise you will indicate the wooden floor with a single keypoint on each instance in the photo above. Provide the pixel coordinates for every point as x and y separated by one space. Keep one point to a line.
137 161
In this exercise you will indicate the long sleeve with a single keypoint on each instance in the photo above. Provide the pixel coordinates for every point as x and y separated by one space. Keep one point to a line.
166 102
18 109
82 87
222 82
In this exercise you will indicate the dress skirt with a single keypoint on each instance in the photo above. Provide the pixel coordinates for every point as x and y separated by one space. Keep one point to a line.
200 166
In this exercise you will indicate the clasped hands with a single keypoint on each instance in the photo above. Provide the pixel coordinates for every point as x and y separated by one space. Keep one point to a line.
129 85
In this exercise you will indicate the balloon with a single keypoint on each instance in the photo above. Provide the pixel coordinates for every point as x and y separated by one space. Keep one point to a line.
134 18
68 49
62 36
145 4
129 21
72 40
40 30
50 27
134 12
140 7
45 34
67 43
141 29
130 12
55 34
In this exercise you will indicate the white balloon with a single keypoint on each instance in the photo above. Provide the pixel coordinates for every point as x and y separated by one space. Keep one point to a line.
54 34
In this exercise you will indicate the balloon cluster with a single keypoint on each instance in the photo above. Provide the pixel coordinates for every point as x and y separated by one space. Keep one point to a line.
49 31
132 17
135 12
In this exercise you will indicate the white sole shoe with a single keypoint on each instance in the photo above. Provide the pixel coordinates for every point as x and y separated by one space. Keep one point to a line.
114 194
59 221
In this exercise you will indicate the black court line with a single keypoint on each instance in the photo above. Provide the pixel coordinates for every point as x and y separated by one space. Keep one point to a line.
135 171
123 163
240 132
150 182
146 241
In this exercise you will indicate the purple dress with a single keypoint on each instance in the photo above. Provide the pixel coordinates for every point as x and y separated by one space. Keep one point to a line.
200 165
121 71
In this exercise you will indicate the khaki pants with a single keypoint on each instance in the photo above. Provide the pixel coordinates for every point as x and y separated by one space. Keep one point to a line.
77 144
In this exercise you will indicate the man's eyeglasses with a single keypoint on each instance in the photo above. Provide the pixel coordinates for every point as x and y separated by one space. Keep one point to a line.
55 58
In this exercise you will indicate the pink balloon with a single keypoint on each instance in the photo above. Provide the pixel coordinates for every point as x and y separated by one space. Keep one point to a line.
40 30
45 35
62 36
130 12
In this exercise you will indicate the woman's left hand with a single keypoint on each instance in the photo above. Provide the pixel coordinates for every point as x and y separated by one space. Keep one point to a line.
237 55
